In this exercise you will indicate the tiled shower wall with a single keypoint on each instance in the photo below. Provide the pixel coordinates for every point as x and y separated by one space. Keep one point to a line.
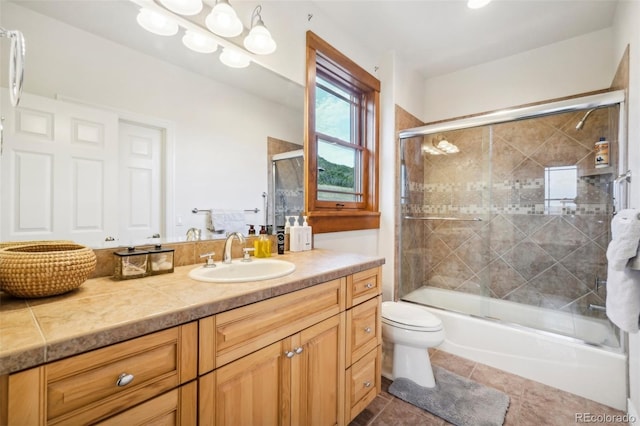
522 249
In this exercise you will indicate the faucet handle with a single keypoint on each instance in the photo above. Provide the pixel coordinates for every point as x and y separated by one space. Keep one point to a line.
209 257
247 256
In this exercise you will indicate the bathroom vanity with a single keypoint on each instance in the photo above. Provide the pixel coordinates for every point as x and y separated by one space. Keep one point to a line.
300 349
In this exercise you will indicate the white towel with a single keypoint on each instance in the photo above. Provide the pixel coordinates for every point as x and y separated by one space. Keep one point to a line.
226 221
623 283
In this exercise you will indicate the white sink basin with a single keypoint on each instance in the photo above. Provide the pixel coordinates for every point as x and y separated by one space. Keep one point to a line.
238 271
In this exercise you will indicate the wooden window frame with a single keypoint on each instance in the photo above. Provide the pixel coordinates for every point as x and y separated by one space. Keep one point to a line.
325 216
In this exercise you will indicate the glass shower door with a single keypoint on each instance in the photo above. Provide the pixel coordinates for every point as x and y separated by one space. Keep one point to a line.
445 211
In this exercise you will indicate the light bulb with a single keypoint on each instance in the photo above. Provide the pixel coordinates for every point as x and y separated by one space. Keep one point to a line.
259 40
223 20
234 59
199 42
156 23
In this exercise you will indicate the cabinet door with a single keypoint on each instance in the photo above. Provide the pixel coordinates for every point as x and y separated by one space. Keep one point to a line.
318 377
254 390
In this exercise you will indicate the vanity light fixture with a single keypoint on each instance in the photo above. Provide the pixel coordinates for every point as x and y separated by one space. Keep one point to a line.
156 23
222 23
477 4
183 7
259 40
234 58
199 42
223 20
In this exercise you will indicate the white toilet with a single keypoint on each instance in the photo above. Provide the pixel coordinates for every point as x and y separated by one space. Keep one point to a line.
412 330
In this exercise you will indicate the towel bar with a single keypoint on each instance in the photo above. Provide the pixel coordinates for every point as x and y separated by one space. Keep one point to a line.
197 210
457 219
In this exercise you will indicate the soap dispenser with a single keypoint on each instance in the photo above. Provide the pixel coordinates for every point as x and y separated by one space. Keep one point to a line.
262 245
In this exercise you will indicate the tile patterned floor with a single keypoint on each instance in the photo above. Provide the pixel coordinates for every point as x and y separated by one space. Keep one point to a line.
532 403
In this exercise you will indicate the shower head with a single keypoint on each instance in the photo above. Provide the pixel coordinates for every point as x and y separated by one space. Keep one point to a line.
580 124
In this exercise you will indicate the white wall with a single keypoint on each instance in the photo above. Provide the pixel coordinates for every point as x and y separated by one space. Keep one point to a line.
220 131
627 32
572 66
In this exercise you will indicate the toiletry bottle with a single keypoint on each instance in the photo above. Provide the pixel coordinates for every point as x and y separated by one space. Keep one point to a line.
295 240
306 235
252 230
280 235
602 153
262 245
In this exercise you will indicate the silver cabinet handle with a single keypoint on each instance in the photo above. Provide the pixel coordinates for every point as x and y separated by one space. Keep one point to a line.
367 384
367 329
290 354
298 350
369 285
124 379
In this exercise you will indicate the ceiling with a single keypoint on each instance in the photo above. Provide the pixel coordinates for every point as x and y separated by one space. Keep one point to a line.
441 36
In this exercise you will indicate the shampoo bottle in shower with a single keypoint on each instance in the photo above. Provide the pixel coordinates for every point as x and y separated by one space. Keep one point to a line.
602 153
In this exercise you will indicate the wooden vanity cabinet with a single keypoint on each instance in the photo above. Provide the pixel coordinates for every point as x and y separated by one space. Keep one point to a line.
296 379
93 386
364 341
311 357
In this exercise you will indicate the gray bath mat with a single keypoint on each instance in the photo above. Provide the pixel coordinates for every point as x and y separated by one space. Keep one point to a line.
456 399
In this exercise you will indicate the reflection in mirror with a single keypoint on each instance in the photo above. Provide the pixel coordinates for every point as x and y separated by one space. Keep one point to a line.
286 182
121 133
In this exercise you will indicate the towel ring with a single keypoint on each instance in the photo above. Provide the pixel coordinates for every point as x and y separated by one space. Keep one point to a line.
16 64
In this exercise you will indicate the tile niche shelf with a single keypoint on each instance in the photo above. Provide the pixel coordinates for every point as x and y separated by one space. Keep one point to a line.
595 172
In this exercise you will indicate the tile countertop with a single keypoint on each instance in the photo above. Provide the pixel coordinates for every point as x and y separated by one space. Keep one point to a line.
103 311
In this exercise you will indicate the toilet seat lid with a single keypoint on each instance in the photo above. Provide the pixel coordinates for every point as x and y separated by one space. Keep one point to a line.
407 314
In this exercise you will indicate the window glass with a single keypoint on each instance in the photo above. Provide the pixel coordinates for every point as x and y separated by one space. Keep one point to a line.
561 188
333 111
338 172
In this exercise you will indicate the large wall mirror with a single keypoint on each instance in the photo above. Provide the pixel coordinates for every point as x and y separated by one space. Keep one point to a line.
114 119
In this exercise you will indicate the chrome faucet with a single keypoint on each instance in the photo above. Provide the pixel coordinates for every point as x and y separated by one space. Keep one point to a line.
226 253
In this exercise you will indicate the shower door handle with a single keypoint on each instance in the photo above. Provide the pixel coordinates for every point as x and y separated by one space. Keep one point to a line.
617 185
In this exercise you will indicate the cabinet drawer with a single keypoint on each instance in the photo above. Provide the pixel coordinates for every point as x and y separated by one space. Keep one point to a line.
363 382
177 407
364 330
363 285
244 330
83 388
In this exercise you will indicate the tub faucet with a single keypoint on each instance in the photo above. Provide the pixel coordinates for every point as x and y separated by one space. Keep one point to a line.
226 253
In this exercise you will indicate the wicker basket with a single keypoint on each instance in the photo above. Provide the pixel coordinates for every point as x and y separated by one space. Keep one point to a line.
47 269
5 244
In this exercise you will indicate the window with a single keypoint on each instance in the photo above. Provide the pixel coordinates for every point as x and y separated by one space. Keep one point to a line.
560 189
342 113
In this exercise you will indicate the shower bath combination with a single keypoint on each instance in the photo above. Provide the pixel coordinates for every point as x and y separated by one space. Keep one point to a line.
512 231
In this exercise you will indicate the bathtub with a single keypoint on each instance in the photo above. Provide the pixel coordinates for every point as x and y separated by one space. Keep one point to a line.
596 371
